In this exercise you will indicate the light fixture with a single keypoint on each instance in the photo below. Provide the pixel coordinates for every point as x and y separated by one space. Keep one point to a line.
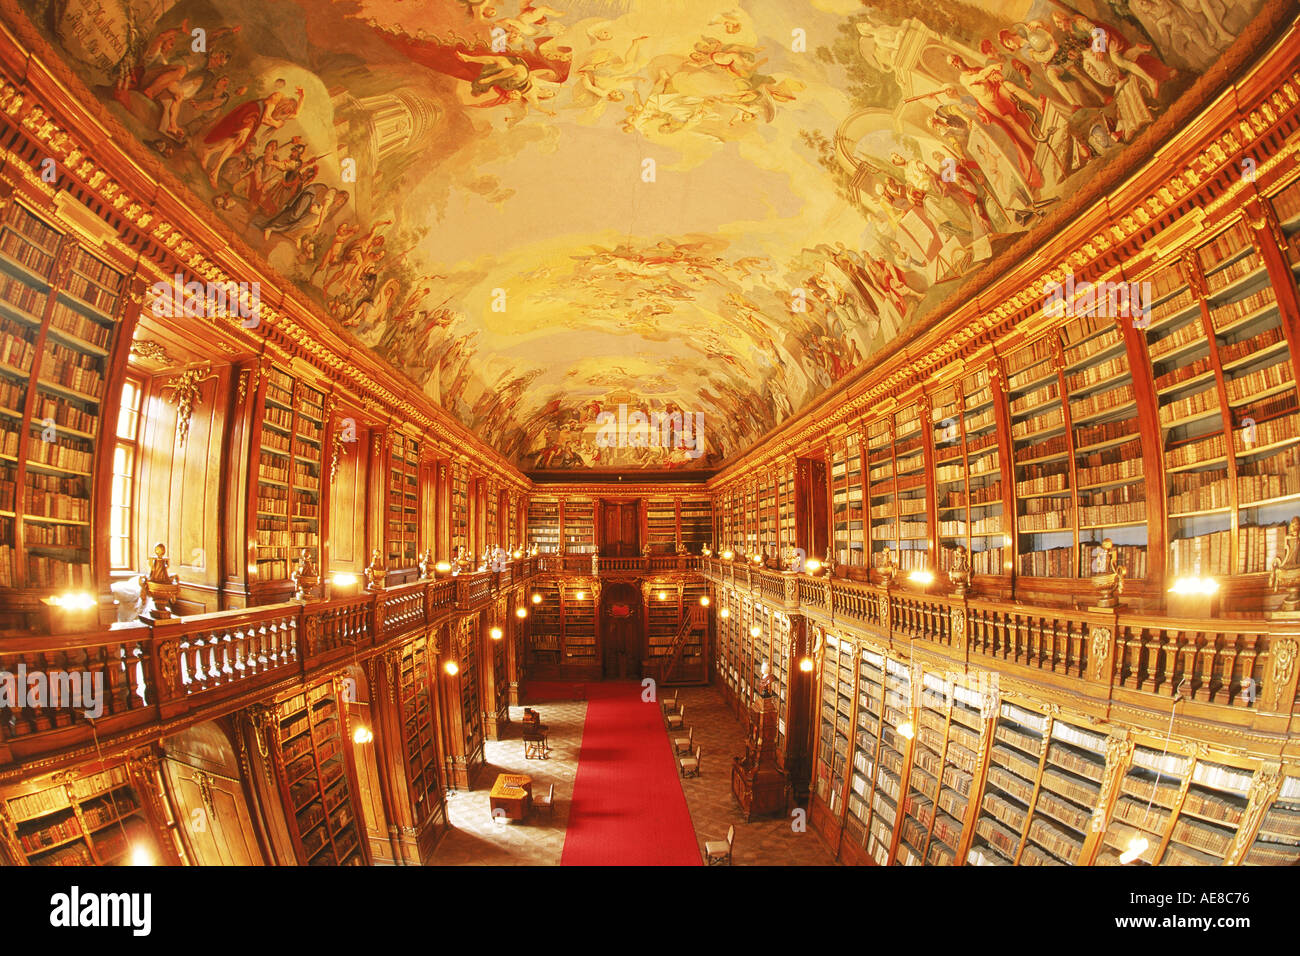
579 595
521 612
442 567
728 555
755 631
362 735
452 668
1195 585
74 601
517 555
812 565
1136 846
706 551
537 599
343 579
922 578
724 613
704 601
496 633
806 664
758 559
141 856
663 595
905 729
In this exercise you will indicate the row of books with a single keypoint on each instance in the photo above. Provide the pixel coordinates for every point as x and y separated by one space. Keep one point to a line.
70 454
67 319
64 365
60 411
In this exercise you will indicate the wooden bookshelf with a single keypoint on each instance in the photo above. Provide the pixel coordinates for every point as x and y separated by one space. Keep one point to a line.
547 624
403 501
1151 786
661 525
419 729
459 515
1277 841
95 819
544 524
314 777
578 614
59 311
766 518
579 525
695 523
848 528
286 501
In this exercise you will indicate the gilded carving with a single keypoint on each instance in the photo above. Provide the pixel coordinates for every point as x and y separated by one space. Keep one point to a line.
958 627
185 396
1283 654
150 351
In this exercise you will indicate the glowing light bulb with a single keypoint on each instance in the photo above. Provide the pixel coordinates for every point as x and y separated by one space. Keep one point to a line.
579 595
74 601
704 601
812 565
362 735
495 633
923 578
452 668
806 664
442 567
141 855
663 596
521 612
755 631
728 555
537 599
905 729
724 613
1194 585
1136 846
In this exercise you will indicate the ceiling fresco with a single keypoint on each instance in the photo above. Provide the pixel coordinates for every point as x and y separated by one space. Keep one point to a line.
550 217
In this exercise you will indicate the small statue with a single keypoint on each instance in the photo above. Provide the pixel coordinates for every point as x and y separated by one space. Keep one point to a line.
1109 576
681 549
305 577
595 563
1285 572
375 572
645 550
829 563
959 573
426 565
886 567
159 588
462 559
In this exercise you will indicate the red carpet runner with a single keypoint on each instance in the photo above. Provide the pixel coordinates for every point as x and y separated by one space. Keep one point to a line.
628 808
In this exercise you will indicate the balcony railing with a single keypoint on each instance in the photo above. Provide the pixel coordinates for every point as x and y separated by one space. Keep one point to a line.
129 676
594 564
1246 666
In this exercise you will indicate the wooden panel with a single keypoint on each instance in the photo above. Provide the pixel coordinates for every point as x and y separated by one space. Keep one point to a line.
347 525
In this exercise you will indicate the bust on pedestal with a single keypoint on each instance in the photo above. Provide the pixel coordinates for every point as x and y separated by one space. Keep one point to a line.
1284 575
306 579
376 573
159 588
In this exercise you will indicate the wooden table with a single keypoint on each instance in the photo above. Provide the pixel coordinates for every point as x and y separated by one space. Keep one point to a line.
512 794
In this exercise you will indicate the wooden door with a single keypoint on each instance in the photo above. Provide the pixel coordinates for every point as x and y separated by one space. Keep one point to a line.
620 632
201 774
620 529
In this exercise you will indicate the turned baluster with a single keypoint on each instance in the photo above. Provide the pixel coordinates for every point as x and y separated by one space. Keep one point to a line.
1245 693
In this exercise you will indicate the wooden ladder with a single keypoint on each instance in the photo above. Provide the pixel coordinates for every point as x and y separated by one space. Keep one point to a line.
694 620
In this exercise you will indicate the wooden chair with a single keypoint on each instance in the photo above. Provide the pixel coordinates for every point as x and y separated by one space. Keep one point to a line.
690 765
669 704
677 721
719 851
535 745
547 803
683 745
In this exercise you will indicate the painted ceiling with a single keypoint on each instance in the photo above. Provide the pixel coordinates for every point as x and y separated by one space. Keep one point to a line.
716 208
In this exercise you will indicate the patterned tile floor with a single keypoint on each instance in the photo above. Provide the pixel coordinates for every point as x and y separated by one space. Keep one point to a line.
770 841
476 840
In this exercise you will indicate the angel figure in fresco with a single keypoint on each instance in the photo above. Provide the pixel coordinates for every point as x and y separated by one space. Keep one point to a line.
532 17
1003 105
174 85
513 79
1177 31
237 130
157 54
304 215
361 252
